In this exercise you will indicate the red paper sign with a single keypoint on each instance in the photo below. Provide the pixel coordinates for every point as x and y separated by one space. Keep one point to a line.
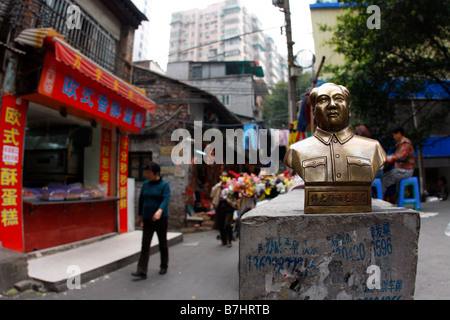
75 90
105 160
123 183
12 130
66 54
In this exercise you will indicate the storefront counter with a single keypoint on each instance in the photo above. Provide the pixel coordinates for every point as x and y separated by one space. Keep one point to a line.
52 223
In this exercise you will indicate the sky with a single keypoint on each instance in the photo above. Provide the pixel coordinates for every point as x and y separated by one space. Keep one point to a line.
270 16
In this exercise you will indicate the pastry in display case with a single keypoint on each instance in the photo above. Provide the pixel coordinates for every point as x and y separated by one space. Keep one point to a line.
77 193
97 191
48 194
30 194
60 192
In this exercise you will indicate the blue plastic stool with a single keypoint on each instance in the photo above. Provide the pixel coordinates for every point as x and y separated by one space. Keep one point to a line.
413 181
377 184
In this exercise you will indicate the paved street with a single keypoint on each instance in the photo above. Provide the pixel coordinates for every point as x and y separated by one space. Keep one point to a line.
200 269
433 271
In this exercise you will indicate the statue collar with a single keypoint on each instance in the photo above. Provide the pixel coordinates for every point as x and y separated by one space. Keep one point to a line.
326 137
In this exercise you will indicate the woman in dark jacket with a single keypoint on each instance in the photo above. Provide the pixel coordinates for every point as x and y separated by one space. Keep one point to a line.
153 215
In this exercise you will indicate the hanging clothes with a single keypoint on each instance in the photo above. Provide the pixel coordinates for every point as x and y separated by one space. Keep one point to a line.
304 117
284 138
293 133
250 136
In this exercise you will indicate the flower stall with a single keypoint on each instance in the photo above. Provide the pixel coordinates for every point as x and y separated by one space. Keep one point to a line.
251 188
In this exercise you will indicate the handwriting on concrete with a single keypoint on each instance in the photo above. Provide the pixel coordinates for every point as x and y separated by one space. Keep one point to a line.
366 246
282 254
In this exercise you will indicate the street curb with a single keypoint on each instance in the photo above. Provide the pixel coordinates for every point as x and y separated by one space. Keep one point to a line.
104 268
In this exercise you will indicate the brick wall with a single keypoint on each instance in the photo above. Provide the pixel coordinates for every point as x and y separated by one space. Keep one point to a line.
157 136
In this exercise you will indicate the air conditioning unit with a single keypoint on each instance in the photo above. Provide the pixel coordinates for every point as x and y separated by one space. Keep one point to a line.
278 3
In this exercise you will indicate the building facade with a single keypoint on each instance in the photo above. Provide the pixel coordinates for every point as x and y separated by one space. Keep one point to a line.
179 106
325 13
234 83
67 110
225 31
141 48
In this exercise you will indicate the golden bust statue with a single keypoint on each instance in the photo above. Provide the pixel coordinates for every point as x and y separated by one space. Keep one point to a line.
338 167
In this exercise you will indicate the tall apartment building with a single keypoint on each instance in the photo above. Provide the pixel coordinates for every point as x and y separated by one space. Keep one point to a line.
141 49
224 31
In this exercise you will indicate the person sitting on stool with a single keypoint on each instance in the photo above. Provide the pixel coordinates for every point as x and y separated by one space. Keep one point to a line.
403 160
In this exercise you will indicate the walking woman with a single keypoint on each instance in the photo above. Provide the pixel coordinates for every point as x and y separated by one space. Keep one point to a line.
153 215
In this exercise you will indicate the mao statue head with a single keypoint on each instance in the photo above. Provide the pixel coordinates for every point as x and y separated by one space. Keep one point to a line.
331 106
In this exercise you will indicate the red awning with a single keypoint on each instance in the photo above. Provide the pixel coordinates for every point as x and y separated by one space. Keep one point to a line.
75 59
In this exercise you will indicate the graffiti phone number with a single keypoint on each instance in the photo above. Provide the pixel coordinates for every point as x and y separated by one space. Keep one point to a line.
357 252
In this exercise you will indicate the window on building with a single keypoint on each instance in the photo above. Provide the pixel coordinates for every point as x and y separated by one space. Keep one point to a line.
212 53
137 163
196 72
226 99
91 38
232 53
230 3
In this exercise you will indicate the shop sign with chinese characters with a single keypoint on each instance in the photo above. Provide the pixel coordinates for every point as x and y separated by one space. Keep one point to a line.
12 130
87 98
71 57
123 183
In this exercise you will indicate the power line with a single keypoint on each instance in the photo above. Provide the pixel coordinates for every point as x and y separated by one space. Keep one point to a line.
222 40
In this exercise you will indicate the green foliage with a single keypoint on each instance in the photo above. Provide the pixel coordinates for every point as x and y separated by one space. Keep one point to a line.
387 66
276 110
277 106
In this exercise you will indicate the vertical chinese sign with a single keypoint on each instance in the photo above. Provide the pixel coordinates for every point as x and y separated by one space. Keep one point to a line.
105 160
123 184
12 129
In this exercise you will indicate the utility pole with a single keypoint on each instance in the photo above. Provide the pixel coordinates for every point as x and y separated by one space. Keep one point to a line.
419 151
292 81
313 85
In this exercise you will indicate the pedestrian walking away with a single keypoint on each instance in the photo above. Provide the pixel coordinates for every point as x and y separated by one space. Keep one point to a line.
153 216
442 183
225 208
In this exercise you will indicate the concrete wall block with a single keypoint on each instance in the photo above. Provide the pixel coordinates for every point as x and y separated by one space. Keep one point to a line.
13 268
286 254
